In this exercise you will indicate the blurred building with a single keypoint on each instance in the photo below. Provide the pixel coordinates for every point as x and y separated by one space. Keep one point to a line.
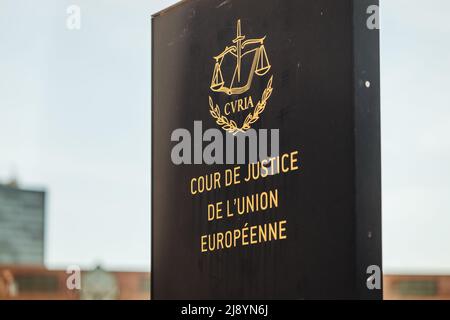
22 214
411 287
23 275
38 283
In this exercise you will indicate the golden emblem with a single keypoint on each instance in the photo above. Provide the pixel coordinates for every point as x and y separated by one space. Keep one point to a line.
253 51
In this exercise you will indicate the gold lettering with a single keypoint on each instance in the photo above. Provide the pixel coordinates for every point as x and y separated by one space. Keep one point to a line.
238 105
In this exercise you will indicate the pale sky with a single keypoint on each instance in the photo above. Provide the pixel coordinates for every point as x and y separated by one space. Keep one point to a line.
75 120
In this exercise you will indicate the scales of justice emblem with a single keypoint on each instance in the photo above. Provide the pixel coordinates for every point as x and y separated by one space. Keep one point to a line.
240 81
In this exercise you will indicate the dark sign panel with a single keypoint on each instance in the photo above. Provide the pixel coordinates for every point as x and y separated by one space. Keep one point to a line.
295 82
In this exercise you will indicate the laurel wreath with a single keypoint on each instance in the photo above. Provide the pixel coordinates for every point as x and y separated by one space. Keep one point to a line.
230 125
